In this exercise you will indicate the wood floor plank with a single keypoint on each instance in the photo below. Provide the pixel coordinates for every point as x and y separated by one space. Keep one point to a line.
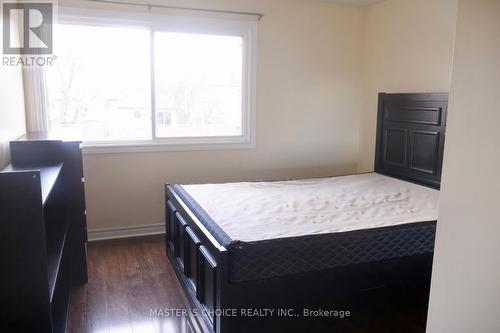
78 310
139 301
96 293
167 296
116 289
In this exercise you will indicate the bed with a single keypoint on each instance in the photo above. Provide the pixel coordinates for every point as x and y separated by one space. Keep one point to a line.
250 244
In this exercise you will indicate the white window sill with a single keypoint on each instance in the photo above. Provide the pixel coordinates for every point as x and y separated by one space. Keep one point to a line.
145 146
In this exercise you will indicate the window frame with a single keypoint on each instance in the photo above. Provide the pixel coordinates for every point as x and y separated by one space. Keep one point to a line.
164 22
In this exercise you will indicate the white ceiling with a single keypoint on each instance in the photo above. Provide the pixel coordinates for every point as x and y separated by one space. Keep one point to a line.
354 2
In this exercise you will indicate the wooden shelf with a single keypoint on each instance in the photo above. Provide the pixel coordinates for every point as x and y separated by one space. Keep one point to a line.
48 136
48 177
54 256
43 230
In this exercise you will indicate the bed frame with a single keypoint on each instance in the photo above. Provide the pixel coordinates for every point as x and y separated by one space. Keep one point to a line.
409 146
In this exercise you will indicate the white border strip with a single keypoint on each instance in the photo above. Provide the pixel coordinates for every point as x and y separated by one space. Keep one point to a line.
125 232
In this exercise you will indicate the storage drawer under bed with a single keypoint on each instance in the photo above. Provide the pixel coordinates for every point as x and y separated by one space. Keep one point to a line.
170 211
191 261
194 260
179 239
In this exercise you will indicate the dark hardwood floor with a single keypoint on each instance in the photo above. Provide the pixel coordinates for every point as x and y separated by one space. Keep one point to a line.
128 278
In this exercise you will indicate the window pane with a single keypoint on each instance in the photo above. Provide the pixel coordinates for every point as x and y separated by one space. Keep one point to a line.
198 85
99 87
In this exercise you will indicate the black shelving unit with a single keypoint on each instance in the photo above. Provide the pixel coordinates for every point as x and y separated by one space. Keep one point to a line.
42 233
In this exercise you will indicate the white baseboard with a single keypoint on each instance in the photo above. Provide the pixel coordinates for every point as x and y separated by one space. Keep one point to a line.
125 232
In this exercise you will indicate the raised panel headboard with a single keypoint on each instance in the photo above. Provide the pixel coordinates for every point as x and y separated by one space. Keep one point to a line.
410 136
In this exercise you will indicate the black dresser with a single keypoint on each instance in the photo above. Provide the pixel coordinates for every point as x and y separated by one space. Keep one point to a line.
43 236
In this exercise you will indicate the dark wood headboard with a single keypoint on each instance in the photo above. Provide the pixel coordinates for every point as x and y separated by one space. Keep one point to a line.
410 136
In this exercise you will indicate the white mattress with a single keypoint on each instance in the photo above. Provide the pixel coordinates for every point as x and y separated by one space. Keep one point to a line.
253 211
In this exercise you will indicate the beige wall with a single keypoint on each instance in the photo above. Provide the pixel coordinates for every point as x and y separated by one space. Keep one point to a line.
308 109
465 293
408 48
12 120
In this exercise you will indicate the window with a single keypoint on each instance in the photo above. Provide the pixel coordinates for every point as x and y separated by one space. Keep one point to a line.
145 83
100 86
198 85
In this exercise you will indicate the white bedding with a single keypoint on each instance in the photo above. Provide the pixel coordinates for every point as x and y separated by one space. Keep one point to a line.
266 210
